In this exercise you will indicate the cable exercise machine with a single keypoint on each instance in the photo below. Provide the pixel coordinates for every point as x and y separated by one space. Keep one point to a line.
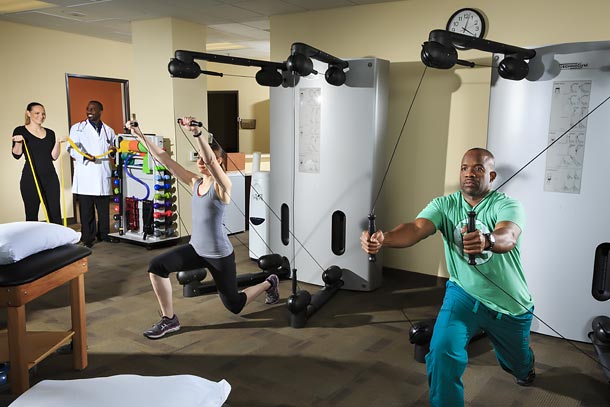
301 303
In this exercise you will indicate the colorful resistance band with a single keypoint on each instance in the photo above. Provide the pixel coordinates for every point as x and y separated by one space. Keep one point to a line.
44 207
63 196
126 171
78 150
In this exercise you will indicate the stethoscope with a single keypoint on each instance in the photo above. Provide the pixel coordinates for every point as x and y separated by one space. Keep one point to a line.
83 124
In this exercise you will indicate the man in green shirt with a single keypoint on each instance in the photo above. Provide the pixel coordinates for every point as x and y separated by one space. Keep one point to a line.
491 295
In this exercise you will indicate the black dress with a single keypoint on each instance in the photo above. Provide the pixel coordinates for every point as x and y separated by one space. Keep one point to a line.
40 152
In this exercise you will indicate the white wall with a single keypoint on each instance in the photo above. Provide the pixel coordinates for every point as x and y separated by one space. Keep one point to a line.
34 65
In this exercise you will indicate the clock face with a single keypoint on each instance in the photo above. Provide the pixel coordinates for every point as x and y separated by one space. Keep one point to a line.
467 22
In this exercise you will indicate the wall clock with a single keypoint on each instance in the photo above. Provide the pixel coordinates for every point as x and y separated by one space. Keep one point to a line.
467 21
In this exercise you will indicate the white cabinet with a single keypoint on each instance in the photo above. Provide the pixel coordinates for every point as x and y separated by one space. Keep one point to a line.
235 213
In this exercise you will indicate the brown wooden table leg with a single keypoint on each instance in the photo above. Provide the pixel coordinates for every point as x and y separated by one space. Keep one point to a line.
19 372
77 309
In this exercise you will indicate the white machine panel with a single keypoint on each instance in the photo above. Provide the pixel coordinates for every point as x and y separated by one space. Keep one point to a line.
325 170
565 191
235 213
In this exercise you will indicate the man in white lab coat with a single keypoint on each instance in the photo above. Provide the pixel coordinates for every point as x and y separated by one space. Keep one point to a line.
93 172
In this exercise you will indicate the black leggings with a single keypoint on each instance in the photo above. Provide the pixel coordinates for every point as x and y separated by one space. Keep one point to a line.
49 189
223 271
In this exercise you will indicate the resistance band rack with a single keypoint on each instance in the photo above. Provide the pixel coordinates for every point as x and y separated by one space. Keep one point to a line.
143 195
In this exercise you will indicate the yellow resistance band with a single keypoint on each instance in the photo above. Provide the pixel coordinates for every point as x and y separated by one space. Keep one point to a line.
78 150
44 207
63 197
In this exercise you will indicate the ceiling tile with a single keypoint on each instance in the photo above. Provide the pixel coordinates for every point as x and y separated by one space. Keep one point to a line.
242 30
269 7
241 22
320 4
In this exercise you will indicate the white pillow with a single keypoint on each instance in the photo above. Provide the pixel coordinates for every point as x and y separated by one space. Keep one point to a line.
127 391
19 240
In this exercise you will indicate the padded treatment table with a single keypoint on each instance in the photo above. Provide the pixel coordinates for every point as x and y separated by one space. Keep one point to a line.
26 280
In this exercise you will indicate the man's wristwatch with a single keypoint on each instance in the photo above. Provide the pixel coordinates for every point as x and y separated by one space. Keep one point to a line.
490 239
197 135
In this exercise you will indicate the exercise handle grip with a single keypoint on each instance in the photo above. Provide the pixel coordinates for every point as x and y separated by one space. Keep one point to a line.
372 229
192 123
472 215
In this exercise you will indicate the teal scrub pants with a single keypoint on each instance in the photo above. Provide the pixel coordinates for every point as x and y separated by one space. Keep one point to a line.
460 318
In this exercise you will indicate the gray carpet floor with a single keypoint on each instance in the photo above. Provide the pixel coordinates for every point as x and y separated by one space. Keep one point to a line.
355 351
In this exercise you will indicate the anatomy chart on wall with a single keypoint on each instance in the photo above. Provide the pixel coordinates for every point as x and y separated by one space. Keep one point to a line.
309 130
565 159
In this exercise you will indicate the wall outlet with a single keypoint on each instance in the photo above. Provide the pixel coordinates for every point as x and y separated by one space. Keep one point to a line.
194 155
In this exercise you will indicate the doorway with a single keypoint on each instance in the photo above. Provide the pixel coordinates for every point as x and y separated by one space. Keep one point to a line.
112 93
223 118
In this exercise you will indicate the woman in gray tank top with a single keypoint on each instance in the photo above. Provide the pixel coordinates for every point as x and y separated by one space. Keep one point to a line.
209 246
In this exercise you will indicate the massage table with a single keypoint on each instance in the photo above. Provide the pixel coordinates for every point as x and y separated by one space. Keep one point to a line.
25 281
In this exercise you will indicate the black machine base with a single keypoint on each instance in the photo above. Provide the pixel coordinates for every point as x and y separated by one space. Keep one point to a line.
193 285
600 337
420 335
303 305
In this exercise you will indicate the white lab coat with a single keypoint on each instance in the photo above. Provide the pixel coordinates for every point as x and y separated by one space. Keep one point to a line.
91 178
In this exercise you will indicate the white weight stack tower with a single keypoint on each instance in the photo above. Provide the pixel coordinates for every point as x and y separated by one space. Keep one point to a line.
326 168
565 191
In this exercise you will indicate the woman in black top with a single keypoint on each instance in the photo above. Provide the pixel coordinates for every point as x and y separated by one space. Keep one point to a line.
44 148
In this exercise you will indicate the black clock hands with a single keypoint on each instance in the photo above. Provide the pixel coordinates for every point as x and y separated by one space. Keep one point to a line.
465 28
468 31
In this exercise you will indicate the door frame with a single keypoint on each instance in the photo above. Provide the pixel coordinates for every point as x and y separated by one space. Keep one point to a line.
125 110
227 92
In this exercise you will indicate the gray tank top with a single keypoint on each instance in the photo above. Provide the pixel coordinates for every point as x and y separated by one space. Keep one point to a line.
209 237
